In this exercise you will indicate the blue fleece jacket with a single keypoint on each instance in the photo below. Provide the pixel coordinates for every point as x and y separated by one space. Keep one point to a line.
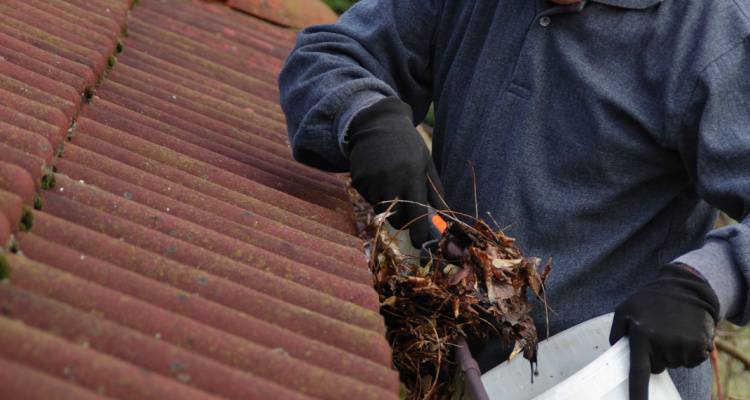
605 134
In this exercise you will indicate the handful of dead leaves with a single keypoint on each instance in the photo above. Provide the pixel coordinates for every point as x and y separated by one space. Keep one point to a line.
475 284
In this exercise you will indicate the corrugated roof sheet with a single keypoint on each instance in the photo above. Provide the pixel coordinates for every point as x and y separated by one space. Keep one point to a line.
176 250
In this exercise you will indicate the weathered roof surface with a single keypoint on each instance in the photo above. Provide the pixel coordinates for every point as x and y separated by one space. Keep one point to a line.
176 250
290 13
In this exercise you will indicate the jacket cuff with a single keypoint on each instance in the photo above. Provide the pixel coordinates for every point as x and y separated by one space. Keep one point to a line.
714 261
358 102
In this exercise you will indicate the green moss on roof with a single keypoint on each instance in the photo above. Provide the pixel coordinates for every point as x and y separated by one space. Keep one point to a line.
48 179
27 220
4 268
340 5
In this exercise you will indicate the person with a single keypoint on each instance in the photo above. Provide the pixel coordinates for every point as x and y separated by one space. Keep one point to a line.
606 133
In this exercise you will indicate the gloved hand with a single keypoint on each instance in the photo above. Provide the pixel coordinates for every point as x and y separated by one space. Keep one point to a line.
670 323
388 159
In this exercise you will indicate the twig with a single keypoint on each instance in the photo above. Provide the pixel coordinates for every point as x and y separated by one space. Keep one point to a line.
729 350
439 360
443 206
447 214
474 180
546 310
717 374
497 226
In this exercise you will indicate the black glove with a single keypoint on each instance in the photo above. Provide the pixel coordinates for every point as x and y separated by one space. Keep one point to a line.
670 323
388 159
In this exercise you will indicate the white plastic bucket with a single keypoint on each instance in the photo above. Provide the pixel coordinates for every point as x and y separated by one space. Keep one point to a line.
576 364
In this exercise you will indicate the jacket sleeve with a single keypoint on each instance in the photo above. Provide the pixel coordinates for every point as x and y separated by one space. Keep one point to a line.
379 48
715 145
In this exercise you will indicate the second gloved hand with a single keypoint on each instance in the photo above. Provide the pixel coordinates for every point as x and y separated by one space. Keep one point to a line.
670 323
388 159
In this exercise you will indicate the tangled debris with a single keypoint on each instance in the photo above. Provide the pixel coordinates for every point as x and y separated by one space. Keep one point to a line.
475 283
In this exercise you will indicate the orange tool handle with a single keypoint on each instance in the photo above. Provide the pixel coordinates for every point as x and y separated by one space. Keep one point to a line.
439 223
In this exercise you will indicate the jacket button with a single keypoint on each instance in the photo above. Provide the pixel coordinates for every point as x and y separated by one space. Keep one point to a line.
545 21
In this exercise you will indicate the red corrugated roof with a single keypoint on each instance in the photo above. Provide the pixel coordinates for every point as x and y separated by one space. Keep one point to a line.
179 251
